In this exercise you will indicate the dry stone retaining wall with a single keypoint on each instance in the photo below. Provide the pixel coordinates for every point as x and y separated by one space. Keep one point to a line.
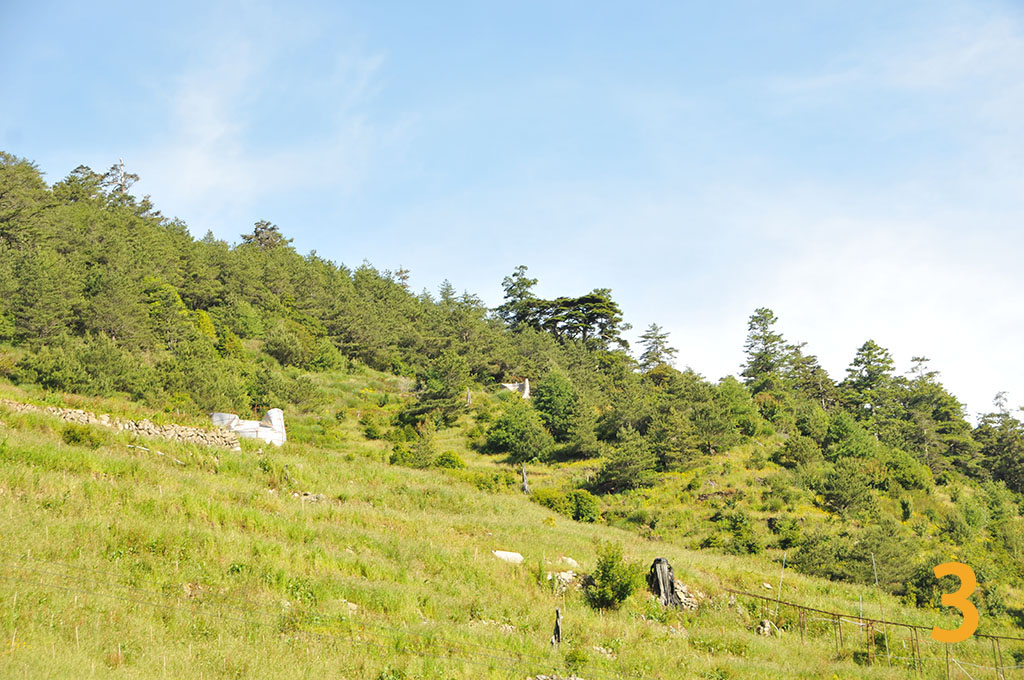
144 427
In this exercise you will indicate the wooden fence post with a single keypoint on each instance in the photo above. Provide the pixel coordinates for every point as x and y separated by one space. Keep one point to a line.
871 644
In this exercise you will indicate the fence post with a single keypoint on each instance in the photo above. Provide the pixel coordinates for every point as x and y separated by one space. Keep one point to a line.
803 614
871 644
917 653
999 654
947 661
839 627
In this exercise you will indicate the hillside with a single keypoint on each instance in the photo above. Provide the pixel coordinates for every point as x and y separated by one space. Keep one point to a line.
366 542
119 560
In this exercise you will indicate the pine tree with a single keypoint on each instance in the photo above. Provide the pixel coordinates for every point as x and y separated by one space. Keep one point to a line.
656 348
766 352
265 236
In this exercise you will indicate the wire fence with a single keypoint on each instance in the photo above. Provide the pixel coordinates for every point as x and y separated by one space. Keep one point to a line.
865 640
893 643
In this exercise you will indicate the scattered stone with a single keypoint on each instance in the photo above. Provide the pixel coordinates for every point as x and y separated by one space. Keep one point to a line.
144 427
506 628
604 651
766 586
562 579
765 628
570 561
309 497
689 600
511 557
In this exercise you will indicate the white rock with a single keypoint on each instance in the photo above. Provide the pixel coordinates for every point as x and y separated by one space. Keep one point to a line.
512 557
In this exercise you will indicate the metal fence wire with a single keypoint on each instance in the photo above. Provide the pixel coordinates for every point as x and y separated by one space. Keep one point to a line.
865 640
893 643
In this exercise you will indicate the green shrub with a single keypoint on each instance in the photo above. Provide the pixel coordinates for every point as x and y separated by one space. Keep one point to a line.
630 465
419 454
397 435
555 399
798 450
392 674
327 357
82 435
812 421
744 539
713 541
305 393
493 482
845 487
575 659
614 579
578 504
756 461
584 506
906 508
449 460
788 531
907 471
779 493
374 425
957 528
552 499
291 344
846 438
520 433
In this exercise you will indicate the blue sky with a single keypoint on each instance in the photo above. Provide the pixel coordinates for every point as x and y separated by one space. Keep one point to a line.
857 167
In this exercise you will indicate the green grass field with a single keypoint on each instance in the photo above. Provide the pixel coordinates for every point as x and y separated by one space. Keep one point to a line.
118 562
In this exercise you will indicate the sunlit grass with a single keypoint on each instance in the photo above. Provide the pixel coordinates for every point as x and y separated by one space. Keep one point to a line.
118 561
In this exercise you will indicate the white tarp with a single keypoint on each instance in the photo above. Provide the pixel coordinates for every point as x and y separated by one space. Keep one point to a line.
270 429
522 388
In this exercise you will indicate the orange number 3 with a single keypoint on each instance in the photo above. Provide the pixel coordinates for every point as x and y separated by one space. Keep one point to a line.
968 582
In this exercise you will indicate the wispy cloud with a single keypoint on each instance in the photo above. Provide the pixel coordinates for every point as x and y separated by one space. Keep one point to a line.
965 51
213 165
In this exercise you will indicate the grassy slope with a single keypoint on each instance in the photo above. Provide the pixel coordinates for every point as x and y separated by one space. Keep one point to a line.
122 563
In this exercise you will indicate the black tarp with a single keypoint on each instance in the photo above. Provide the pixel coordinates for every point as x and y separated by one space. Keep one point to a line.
662 582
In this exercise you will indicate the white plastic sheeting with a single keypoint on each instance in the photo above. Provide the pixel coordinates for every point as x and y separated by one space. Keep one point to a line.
522 388
270 429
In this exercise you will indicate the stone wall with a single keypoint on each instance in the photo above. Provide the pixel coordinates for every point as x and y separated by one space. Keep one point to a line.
143 428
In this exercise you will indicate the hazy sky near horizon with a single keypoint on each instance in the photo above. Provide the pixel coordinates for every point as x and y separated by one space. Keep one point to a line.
856 167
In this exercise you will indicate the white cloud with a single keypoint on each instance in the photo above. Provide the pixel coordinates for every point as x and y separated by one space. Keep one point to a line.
210 166
966 50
